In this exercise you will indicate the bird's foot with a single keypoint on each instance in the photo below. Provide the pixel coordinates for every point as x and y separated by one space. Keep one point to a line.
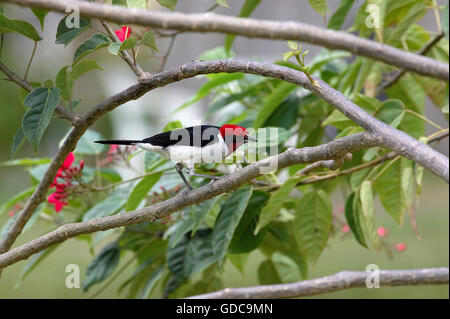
186 191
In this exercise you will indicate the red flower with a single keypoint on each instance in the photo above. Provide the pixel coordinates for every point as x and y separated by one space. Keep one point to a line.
66 173
68 161
123 33
55 198
400 247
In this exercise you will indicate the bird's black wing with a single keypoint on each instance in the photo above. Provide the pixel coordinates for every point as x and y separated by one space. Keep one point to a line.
200 135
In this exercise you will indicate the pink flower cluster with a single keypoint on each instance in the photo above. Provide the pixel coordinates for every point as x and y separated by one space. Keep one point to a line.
66 173
382 232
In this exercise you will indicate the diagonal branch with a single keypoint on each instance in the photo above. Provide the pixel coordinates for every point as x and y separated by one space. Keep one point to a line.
253 28
395 77
335 149
340 281
383 134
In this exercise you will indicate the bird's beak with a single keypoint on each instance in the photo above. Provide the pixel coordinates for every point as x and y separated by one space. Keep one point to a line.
249 138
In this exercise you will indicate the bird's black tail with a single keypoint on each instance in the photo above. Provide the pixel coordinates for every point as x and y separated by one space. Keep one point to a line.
119 142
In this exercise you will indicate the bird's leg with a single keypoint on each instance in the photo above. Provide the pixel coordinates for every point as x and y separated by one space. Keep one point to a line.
191 171
179 167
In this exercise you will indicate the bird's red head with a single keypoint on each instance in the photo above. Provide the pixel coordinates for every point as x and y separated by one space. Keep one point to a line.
235 136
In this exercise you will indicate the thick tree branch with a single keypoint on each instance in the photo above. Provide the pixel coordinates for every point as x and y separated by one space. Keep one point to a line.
253 28
340 281
335 149
380 133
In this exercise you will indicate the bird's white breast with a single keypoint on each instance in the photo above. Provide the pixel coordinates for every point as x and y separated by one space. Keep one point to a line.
212 153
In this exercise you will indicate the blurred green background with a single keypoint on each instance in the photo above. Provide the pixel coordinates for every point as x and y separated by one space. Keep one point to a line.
148 115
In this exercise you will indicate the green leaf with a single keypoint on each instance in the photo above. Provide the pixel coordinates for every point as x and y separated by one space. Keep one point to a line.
215 54
199 212
86 145
182 227
390 190
139 4
18 140
414 14
391 112
353 217
272 101
222 102
313 223
410 92
320 6
114 48
238 261
151 282
95 42
247 8
244 240
220 79
228 220
168 3
17 198
338 120
149 40
42 102
366 196
338 18
83 67
189 256
358 177
407 181
286 115
326 56
18 26
222 3
128 44
271 210
120 3
64 82
35 260
286 268
152 161
418 172
110 205
64 34
172 126
26 162
102 265
445 20
40 15
267 273
110 175
141 190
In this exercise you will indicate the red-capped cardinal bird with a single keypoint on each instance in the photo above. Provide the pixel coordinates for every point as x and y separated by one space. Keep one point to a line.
195 144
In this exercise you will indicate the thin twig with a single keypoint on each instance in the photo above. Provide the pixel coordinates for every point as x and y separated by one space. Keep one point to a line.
394 78
31 60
